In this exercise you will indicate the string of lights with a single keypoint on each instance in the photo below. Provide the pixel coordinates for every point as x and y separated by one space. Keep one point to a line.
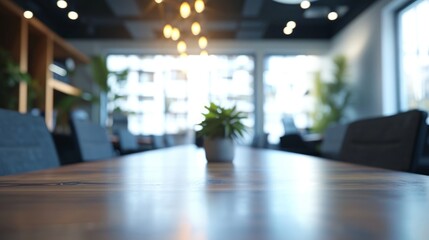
188 25
63 4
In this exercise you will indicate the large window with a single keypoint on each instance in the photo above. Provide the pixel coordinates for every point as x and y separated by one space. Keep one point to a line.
288 81
414 55
167 94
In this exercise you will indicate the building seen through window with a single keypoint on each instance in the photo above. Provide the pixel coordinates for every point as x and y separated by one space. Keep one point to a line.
166 94
414 55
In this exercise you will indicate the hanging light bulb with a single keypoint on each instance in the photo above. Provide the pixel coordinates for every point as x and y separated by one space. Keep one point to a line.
158 1
196 28
73 15
175 34
202 42
305 4
291 24
28 14
181 46
204 53
61 4
199 6
167 31
332 16
185 10
287 30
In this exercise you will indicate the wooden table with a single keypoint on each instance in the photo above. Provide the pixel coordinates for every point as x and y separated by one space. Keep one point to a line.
174 194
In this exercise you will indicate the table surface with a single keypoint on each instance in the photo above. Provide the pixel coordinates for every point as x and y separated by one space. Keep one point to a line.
175 194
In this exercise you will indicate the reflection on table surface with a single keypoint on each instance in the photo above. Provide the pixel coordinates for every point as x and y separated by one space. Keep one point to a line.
174 193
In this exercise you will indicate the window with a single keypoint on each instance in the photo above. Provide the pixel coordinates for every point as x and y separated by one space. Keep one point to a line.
414 55
167 94
288 81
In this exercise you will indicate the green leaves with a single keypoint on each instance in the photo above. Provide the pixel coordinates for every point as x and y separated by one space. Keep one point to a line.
101 73
10 78
222 122
332 97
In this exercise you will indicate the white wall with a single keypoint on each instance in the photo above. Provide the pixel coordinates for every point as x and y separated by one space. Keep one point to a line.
369 45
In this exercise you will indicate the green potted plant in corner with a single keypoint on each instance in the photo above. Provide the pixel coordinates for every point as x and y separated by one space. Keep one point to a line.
332 98
220 127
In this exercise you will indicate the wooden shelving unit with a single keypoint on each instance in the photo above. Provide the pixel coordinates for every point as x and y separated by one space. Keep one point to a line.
34 47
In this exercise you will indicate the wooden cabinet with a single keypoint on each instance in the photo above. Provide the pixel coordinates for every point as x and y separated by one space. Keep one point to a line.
35 47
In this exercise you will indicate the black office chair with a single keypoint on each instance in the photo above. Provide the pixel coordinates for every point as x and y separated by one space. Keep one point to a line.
92 140
293 140
393 142
25 144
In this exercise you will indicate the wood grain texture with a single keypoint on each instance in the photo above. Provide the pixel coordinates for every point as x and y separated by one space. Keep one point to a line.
174 194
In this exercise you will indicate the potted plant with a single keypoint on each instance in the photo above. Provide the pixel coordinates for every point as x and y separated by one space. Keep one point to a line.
332 98
220 127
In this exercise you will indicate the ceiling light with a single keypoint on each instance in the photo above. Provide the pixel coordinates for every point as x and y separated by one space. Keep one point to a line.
305 4
61 4
167 31
287 30
28 14
204 53
185 10
196 28
202 42
181 46
332 16
73 15
158 1
291 24
199 6
175 34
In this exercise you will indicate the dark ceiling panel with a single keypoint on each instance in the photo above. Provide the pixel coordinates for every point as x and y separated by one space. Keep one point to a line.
222 19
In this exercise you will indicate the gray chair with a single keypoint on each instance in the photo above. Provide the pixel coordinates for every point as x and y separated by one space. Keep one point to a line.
129 143
333 137
25 144
92 140
393 142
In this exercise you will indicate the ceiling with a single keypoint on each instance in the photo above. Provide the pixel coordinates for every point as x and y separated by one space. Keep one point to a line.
222 19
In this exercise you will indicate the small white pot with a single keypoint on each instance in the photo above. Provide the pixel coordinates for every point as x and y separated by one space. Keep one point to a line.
219 149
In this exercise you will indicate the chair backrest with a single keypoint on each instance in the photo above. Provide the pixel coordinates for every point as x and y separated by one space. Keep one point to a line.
127 141
393 142
332 141
289 124
25 144
92 140
294 142
158 141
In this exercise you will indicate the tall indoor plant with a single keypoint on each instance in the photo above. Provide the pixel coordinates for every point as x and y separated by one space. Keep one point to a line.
332 97
220 127
101 74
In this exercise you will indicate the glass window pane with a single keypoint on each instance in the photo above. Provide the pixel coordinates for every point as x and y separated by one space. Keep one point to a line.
287 84
167 94
414 56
